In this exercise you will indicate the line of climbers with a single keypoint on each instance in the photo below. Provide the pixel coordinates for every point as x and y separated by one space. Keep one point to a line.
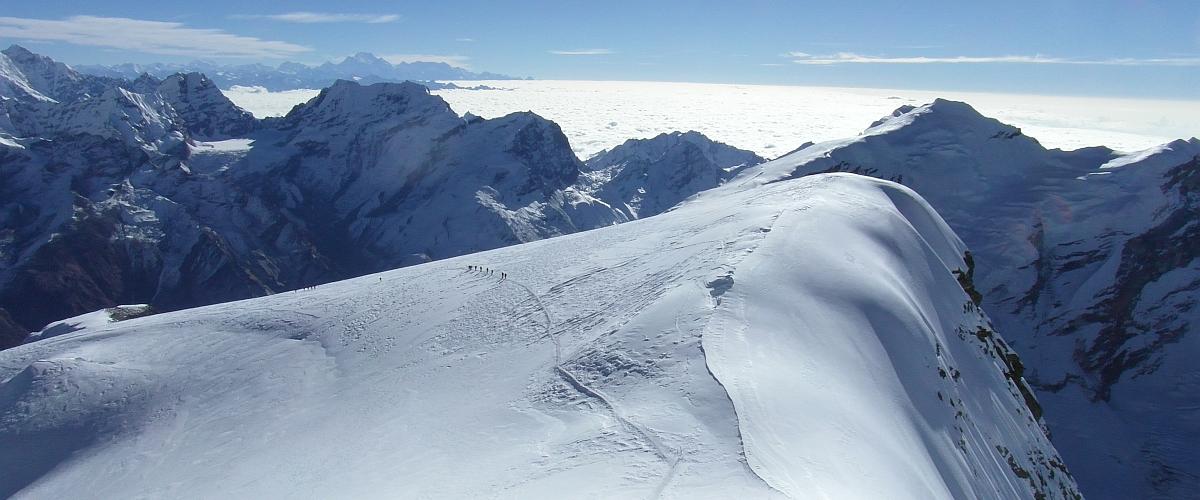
480 269
489 272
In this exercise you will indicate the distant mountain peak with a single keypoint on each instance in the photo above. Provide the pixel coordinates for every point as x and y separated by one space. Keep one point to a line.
351 91
946 115
15 50
365 57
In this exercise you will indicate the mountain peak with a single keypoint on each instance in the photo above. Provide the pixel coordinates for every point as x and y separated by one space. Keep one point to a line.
672 165
18 52
942 115
349 87
208 114
348 102
956 108
365 57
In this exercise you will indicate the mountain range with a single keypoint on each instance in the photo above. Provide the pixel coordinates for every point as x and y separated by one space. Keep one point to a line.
160 191
165 193
362 67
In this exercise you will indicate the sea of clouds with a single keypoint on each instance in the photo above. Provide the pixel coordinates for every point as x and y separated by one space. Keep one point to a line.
772 120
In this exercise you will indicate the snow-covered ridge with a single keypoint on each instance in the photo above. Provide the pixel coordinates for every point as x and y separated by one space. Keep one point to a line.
1086 258
714 351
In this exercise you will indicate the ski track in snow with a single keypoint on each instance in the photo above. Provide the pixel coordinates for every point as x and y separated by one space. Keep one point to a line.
671 456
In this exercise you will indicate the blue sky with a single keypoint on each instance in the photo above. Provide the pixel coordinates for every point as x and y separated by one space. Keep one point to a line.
1136 48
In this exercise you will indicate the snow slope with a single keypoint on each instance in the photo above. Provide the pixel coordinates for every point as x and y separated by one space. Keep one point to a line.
716 350
1086 259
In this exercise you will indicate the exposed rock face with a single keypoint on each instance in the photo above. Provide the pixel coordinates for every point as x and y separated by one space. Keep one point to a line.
1086 260
11 333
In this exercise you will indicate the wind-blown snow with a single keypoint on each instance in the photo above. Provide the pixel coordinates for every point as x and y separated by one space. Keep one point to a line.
717 350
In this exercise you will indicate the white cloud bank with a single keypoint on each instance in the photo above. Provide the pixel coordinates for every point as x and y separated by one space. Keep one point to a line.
771 120
853 58
154 37
323 17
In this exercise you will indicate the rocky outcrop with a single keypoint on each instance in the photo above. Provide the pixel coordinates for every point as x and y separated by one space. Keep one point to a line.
12 333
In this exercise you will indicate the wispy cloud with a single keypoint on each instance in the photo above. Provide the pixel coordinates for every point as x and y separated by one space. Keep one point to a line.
464 40
322 17
853 58
453 60
154 37
582 52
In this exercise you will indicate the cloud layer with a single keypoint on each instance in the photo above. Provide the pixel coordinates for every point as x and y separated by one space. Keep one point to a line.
155 37
323 17
853 58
